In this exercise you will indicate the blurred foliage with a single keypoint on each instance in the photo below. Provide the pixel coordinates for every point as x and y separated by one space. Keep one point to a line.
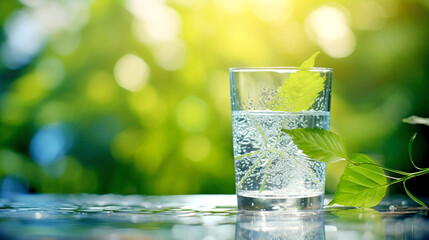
133 96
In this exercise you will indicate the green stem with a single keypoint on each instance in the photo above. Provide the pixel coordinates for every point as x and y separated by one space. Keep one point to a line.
251 153
412 196
246 155
250 171
386 169
411 175
269 163
266 176
410 152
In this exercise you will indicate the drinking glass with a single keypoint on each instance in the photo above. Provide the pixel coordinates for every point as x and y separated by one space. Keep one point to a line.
271 172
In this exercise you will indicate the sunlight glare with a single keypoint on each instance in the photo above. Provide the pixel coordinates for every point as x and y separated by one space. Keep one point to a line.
328 27
155 21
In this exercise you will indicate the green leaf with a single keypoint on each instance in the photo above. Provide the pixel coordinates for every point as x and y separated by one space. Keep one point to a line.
319 144
416 120
410 151
413 197
361 185
301 89
310 62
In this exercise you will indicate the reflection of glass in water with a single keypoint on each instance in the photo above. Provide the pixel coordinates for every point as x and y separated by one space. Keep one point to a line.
252 225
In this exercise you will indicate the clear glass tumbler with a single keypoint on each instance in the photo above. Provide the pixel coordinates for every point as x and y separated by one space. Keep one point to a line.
271 172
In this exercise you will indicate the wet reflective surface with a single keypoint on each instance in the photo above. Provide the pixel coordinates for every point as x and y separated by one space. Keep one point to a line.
198 217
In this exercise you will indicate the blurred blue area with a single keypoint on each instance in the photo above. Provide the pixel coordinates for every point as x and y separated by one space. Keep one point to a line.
50 144
13 185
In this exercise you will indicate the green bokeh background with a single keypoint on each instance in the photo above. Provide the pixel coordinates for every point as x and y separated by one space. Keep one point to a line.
132 96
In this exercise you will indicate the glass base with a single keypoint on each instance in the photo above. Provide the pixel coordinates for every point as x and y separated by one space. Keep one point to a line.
258 202
280 225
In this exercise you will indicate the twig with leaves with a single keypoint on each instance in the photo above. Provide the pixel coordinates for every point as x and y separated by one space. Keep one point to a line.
364 182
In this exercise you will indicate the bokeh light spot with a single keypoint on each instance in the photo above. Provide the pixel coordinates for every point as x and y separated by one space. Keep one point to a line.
28 30
52 15
131 72
196 148
328 26
24 39
157 22
11 184
328 22
10 161
144 101
126 144
54 111
12 110
50 72
28 89
192 114
101 88
171 55
50 143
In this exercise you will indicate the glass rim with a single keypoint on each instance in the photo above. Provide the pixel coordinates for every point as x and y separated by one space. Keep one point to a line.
278 69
